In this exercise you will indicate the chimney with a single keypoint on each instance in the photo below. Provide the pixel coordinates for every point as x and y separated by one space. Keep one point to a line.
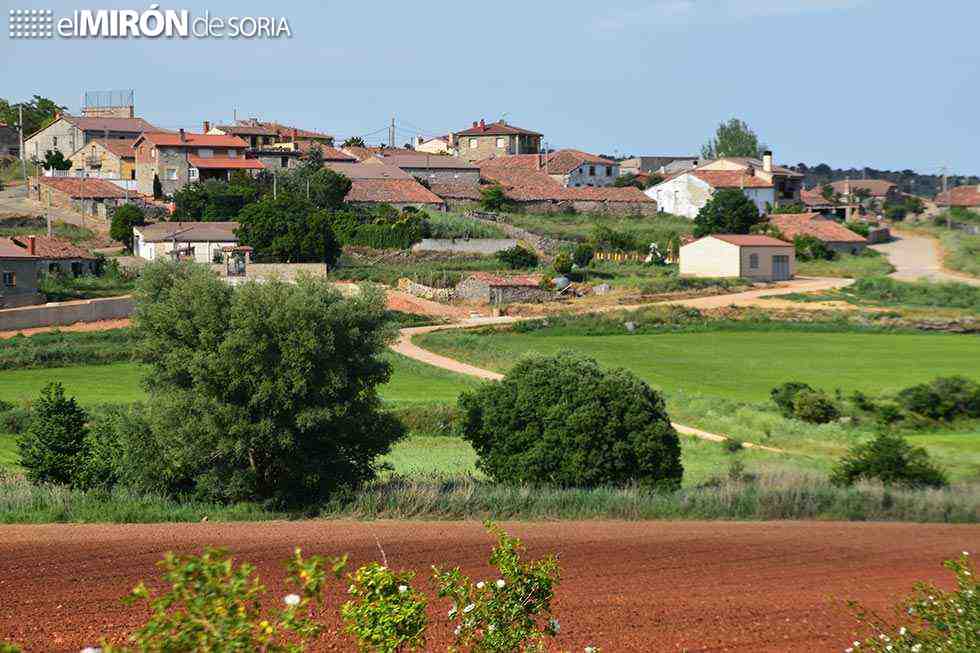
293 134
183 137
483 125
475 123
767 161
31 245
207 126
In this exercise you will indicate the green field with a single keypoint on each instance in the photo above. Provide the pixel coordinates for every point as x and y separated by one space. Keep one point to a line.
742 365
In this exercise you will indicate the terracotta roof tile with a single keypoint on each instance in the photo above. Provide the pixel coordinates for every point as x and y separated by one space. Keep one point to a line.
560 162
814 197
87 123
730 179
455 190
189 231
751 240
495 129
224 163
172 139
530 185
391 191
52 247
792 225
960 196
248 130
84 187
10 249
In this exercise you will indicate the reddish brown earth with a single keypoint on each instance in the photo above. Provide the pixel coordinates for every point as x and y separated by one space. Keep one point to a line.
626 586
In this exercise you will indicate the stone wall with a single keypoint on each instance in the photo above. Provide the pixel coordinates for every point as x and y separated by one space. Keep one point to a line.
91 310
425 292
464 245
542 244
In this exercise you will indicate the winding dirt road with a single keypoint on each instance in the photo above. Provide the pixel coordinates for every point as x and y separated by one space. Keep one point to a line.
919 257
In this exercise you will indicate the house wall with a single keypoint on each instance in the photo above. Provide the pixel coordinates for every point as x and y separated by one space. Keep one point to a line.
166 158
60 135
23 292
473 290
434 146
487 146
581 177
444 175
92 310
845 248
203 250
765 271
108 164
709 257
686 194
68 266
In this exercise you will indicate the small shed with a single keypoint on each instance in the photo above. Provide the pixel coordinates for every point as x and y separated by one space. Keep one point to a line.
497 289
750 256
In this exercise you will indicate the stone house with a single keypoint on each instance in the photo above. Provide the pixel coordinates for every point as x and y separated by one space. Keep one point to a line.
375 182
657 164
57 255
436 168
9 140
68 134
967 197
831 233
483 141
85 195
112 159
494 289
749 256
19 270
570 168
198 241
879 189
257 136
437 145
180 158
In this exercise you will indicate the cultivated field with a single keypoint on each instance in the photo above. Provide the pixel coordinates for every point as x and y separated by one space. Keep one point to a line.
646 586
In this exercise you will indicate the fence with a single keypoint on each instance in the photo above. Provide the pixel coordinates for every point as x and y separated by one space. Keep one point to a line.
620 257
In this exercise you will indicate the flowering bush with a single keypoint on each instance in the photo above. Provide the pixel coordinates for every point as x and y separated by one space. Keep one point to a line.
386 614
942 622
215 606
508 613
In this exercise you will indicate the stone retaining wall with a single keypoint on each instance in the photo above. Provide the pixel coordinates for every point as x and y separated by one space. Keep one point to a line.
425 292
464 245
65 313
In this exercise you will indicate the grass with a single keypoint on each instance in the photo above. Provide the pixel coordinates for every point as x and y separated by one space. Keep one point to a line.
64 348
741 365
578 226
454 225
62 288
27 226
441 273
869 263
961 251
884 291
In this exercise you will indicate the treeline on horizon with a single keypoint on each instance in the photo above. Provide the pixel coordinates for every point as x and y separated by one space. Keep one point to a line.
908 181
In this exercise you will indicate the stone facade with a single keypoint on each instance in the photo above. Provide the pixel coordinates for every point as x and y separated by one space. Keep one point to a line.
169 164
480 288
18 282
96 158
476 148
60 135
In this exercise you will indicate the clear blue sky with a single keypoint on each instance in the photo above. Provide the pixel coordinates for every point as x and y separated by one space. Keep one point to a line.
885 83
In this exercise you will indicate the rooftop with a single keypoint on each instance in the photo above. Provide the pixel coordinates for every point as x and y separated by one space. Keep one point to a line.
88 123
189 231
10 249
730 179
52 247
190 139
751 240
84 187
960 196
224 163
824 229
247 130
560 162
368 170
498 128
391 191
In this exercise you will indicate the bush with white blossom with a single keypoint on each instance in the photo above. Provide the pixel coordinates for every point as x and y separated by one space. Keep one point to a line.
384 614
936 621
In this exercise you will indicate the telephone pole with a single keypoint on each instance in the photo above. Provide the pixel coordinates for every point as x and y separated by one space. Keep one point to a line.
949 218
23 154
391 133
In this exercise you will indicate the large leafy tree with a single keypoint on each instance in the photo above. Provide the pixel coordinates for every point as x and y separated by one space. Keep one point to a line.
124 218
288 227
728 211
353 141
262 392
38 113
213 200
733 138
55 160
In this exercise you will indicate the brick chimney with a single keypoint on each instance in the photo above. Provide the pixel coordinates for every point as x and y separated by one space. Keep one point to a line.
183 137
207 126
475 123
483 125
767 161
32 245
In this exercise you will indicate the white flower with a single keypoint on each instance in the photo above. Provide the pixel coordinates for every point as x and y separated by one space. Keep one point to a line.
554 625
91 649
916 648
857 644
480 585
590 649
291 599
966 553
402 589
458 630
901 631
452 612
848 650
500 583
959 610
351 589
468 608
966 573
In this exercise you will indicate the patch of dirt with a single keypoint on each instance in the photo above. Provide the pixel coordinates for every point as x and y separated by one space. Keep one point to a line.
103 325
626 586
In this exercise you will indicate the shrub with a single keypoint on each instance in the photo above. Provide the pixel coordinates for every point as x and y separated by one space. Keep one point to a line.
809 248
517 258
943 398
784 395
728 211
506 614
564 421
492 198
814 407
583 254
890 459
385 613
562 264
936 620
860 228
51 449
99 463
607 238
124 218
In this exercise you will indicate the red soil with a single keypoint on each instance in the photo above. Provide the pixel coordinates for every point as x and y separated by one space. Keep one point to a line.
644 586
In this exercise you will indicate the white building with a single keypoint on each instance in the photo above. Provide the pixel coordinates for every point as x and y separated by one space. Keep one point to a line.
749 256
437 145
192 240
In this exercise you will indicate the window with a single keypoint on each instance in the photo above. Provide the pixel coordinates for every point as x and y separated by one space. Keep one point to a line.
753 261
191 174
54 141
592 171
9 279
501 141
284 162
609 171
472 143
205 152
171 174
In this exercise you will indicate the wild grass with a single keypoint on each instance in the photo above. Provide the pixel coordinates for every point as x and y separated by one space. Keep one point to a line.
786 495
884 291
578 226
441 273
64 348
869 263
27 226
453 225
64 287
960 250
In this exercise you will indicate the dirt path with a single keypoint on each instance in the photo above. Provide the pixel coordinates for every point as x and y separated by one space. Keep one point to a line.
916 257
626 586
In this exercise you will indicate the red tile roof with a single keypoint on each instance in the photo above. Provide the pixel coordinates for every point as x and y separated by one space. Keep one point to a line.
730 179
751 240
560 162
509 280
495 129
287 131
370 169
391 191
329 153
87 123
248 130
84 187
10 249
814 197
171 139
224 163
960 196
455 190
530 185
792 225
52 247
877 187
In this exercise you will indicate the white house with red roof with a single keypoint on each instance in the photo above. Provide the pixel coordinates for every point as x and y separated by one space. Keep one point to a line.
179 158
748 256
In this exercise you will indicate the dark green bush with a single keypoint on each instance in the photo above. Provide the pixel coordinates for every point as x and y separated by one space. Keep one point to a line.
784 395
814 407
607 238
562 264
15 420
52 447
563 420
860 228
809 248
65 348
890 459
583 254
943 398
518 258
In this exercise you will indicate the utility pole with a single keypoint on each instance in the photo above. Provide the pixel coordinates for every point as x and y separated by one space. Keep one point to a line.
949 218
391 133
23 154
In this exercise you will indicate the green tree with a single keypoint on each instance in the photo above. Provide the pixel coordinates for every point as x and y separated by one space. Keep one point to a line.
733 138
353 141
493 198
517 258
628 179
563 420
52 448
38 113
728 211
288 228
124 218
328 189
213 200
55 160
157 187
890 459
828 193
262 392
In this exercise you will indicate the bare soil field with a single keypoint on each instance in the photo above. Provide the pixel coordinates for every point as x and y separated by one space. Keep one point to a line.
626 586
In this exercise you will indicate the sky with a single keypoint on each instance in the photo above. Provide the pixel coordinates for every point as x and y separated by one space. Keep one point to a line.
889 84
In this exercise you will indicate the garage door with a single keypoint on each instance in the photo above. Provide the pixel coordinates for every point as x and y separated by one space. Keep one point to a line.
780 267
